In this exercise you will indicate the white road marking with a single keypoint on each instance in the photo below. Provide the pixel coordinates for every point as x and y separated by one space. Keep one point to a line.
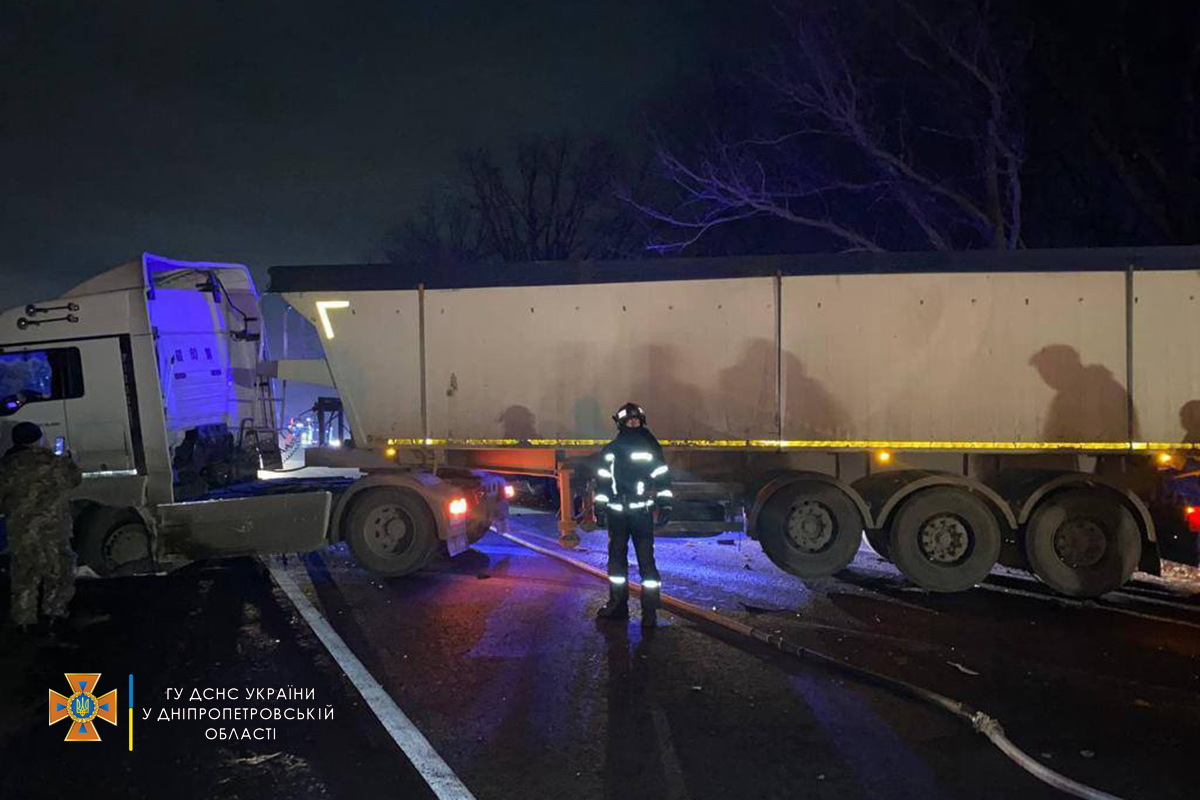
436 772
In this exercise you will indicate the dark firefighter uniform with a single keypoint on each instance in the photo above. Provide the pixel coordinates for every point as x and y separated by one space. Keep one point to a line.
632 484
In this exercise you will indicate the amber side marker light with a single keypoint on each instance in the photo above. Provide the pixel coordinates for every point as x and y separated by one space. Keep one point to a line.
458 507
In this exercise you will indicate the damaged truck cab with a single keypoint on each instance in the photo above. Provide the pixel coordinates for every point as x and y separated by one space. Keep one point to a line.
151 378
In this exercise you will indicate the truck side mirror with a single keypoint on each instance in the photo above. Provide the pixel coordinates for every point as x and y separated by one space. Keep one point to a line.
11 405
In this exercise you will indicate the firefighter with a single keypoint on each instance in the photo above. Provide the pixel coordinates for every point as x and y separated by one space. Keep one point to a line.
633 487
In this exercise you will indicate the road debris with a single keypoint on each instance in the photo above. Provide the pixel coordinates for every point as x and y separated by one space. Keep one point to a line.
762 609
256 760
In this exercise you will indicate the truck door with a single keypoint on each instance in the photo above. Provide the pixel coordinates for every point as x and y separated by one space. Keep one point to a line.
100 428
35 383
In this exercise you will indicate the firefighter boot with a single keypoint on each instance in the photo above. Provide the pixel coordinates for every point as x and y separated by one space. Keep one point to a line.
617 606
651 601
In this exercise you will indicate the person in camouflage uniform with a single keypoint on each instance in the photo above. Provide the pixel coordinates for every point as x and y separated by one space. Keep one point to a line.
33 496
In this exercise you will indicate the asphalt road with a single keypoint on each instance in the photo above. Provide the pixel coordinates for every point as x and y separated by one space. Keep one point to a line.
205 627
496 658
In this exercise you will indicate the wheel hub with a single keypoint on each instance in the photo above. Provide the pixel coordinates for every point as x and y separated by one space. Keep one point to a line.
389 531
944 539
810 526
125 545
1080 543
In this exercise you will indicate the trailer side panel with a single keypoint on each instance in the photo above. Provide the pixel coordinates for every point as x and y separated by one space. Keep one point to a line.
970 358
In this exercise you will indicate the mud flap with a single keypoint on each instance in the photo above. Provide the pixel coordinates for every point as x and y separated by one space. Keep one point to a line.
281 523
457 543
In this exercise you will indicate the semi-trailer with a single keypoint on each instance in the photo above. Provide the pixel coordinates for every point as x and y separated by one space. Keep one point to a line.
960 409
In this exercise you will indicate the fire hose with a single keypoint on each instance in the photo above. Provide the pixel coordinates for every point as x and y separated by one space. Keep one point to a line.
979 721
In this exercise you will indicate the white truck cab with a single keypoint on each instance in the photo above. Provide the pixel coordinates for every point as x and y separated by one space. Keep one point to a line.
147 376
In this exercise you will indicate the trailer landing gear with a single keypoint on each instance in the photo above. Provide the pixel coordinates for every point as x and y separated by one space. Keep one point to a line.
568 535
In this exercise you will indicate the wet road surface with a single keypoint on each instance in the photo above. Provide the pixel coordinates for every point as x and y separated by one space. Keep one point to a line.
495 657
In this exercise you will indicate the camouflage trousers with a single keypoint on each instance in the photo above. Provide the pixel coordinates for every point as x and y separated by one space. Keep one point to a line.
48 566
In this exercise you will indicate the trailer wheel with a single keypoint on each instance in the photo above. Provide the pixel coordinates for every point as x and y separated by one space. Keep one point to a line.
944 540
810 529
391 531
113 541
1083 543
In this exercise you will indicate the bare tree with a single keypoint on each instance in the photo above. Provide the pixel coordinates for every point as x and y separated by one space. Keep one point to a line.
554 203
444 230
554 200
882 125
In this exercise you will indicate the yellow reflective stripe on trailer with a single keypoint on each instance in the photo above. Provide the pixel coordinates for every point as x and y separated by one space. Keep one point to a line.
810 444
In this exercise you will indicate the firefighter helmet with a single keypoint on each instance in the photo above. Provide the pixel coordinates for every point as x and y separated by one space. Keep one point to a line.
627 411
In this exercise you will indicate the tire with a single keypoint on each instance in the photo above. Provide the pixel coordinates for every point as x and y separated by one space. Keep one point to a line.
391 531
810 529
113 541
1083 543
944 540
878 540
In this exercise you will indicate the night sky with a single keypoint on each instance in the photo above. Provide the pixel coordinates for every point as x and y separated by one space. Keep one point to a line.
292 132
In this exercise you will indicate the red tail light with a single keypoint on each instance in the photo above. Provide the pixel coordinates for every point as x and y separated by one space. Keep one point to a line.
1192 515
510 491
458 507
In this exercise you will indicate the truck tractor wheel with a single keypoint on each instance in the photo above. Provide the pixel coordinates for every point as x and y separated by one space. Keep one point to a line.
810 529
1083 543
113 541
391 531
944 540
878 539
